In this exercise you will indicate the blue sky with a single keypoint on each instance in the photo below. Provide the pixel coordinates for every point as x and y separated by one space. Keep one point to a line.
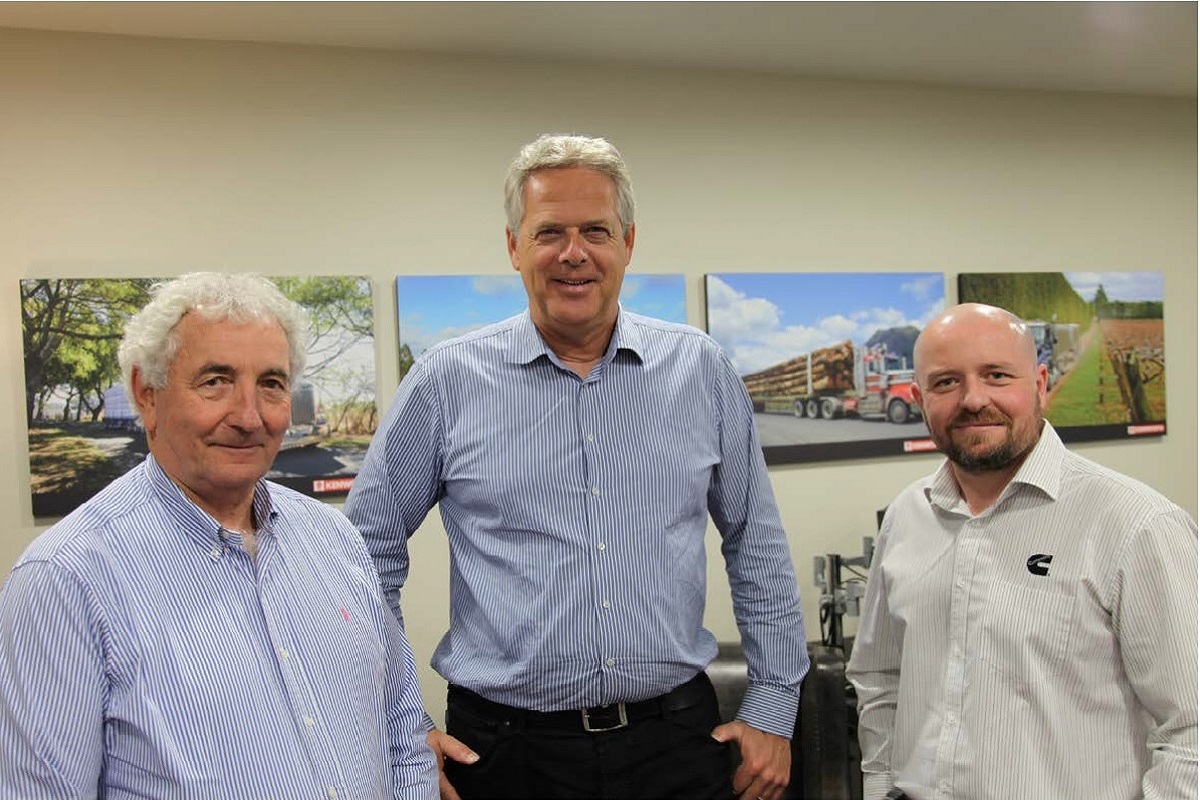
761 319
432 308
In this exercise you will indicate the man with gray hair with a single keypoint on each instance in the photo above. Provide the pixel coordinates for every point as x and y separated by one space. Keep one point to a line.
1029 628
194 631
577 452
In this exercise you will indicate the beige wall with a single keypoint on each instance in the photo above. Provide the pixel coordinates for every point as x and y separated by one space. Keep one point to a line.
133 157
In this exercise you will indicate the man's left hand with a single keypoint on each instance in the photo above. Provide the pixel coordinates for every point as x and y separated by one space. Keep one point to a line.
766 761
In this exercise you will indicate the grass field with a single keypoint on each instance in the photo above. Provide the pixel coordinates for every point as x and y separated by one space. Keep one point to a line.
60 461
1088 394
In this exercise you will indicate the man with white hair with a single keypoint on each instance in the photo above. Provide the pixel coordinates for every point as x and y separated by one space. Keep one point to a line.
1029 630
194 631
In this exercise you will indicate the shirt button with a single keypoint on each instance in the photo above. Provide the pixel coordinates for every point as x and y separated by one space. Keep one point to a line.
332 792
591 438
596 490
611 662
601 546
215 553
606 604
283 653
309 722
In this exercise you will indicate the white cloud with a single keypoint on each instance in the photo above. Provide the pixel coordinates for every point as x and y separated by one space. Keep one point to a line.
924 287
419 339
497 284
750 329
733 317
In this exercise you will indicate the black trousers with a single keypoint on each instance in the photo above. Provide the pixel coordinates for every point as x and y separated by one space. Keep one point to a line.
670 756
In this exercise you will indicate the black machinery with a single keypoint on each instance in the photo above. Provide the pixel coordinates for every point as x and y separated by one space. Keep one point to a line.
825 753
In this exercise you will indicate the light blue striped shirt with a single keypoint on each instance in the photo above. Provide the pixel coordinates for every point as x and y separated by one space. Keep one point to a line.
576 512
143 654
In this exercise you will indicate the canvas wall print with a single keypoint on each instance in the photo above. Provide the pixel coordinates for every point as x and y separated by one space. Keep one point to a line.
1100 335
84 431
827 357
432 308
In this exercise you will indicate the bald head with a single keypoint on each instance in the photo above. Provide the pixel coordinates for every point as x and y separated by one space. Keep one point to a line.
974 322
981 390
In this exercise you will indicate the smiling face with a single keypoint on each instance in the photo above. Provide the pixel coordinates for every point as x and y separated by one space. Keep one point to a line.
216 426
571 254
980 388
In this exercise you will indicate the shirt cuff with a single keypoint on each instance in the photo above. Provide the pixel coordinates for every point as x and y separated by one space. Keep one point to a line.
770 709
876 785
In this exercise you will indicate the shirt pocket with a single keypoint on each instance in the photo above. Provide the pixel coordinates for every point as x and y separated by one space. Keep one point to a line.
1025 632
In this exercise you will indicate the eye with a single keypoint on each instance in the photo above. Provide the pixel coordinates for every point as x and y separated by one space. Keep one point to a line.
214 381
547 235
274 385
597 233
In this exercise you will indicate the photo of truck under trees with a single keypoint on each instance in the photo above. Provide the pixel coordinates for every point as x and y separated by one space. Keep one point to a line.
84 431
827 357
1100 335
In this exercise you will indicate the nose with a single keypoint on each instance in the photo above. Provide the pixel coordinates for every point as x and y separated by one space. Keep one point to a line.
975 395
244 413
573 252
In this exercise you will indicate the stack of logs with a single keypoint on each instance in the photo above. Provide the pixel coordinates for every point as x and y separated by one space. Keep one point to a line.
832 368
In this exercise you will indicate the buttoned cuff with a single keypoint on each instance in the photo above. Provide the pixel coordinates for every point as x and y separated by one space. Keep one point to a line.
771 709
876 785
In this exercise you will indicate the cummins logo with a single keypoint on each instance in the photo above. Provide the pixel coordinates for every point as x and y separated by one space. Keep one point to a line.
1039 563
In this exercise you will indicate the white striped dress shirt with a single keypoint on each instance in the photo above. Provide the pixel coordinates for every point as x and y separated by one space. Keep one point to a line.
1044 649
143 654
576 512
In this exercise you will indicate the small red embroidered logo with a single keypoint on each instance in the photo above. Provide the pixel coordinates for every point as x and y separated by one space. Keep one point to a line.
346 615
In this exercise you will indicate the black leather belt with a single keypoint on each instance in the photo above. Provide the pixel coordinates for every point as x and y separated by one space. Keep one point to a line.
596 719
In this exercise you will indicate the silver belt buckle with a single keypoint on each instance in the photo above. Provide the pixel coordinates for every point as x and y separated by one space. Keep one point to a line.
622 721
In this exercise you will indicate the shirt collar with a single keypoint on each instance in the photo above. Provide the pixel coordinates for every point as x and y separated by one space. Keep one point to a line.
527 344
193 521
1041 470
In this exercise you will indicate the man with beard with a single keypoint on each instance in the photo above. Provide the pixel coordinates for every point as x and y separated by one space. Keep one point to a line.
1030 620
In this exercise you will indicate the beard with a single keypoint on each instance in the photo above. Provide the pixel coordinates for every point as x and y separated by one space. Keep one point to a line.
1019 439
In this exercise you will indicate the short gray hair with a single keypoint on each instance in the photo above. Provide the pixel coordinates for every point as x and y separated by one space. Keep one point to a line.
150 342
560 151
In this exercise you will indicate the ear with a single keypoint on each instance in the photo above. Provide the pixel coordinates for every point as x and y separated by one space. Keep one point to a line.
920 398
511 239
1042 378
629 240
146 399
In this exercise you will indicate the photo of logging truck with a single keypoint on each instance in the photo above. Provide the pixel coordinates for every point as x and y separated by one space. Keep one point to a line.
844 380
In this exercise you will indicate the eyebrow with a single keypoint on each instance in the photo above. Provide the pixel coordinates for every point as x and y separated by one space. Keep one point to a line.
585 224
217 368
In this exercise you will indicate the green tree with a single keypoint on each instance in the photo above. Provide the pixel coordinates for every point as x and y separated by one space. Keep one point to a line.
70 331
340 315
406 360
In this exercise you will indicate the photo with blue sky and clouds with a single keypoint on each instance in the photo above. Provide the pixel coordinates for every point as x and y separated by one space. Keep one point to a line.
433 308
761 319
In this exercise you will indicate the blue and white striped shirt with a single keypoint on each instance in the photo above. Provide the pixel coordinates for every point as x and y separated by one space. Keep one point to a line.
143 654
576 512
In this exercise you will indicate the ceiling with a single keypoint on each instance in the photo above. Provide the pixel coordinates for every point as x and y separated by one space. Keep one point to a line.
1146 48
